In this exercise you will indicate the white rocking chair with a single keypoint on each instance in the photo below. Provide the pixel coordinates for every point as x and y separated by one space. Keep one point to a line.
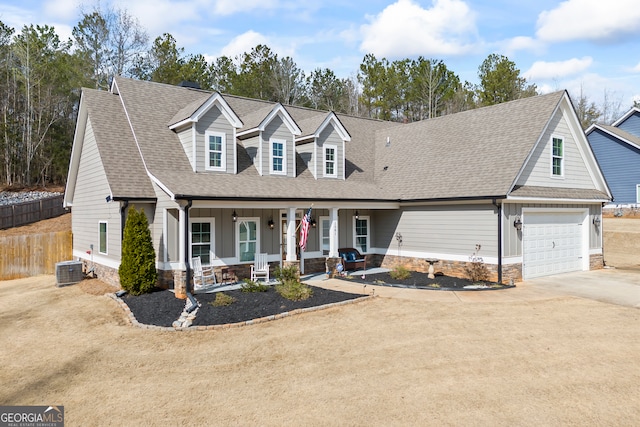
202 276
260 268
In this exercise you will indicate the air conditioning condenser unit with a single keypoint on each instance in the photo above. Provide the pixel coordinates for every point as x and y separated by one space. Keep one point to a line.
68 272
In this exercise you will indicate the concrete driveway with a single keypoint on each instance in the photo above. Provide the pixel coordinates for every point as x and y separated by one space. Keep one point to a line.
615 286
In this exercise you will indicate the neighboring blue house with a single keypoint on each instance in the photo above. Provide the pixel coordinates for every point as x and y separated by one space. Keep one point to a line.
617 149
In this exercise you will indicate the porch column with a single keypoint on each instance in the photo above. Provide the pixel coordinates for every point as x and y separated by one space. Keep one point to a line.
182 246
291 235
333 233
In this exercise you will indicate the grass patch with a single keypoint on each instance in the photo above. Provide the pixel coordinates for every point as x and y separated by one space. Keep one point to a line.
252 286
400 272
222 300
294 290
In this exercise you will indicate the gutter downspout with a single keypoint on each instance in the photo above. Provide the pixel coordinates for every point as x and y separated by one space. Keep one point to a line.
194 302
123 219
499 207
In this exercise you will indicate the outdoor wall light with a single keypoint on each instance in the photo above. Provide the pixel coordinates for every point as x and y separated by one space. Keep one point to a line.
596 221
517 223
357 215
234 216
313 223
271 224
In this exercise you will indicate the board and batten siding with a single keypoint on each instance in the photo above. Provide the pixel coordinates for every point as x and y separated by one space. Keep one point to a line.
537 172
631 124
276 129
214 121
619 163
513 239
442 230
90 207
170 253
329 136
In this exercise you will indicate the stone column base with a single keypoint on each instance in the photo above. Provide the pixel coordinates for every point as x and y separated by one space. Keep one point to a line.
180 284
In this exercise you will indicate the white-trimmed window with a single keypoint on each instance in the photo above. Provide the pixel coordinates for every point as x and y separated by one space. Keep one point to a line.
325 234
202 238
248 238
361 239
637 193
102 237
215 151
557 156
329 165
277 157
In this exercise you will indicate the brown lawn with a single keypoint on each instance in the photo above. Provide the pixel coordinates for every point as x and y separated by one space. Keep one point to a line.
555 361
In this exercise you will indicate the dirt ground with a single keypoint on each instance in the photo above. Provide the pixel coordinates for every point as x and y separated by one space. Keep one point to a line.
622 242
560 361
555 361
60 223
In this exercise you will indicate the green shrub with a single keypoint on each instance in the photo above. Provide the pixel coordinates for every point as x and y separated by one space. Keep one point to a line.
252 286
287 273
222 300
294 290
137 269
400 272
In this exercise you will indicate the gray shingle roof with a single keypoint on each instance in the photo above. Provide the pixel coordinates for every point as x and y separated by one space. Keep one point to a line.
622 134
120 157
473 154
558 193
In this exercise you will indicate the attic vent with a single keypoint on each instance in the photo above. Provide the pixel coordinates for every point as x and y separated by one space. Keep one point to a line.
388 144
190 85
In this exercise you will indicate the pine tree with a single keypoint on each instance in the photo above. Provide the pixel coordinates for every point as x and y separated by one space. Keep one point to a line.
138 264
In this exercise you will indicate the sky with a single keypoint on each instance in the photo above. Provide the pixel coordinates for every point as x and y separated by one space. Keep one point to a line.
584 46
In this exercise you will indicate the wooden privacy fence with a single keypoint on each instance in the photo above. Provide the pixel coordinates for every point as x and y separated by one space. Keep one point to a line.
28 212
31 255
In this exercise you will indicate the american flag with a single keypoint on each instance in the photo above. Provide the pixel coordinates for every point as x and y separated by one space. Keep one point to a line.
304 230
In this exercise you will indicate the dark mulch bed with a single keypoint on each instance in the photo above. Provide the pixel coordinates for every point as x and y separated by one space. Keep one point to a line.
162 308
422 281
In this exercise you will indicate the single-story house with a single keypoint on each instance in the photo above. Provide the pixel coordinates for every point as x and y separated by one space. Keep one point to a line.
617 149
225 177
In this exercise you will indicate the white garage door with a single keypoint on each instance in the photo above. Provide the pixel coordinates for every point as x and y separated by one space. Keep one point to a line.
552 243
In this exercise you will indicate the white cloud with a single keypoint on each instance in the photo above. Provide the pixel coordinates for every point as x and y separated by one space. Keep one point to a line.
61 9
637 68
243 43
163 16
247 41
594 20
522 43
229 7
553 70
404 28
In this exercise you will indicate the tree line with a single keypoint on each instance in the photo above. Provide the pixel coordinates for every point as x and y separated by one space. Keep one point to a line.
41 77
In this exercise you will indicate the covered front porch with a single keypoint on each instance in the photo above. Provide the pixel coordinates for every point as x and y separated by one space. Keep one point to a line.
227 236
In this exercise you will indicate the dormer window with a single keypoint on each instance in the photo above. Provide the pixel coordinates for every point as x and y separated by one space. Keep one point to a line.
330 169
216 151
277 157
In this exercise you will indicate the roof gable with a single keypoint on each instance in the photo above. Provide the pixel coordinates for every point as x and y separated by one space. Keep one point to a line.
194 111
631 112
276 111
580 169
330 118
